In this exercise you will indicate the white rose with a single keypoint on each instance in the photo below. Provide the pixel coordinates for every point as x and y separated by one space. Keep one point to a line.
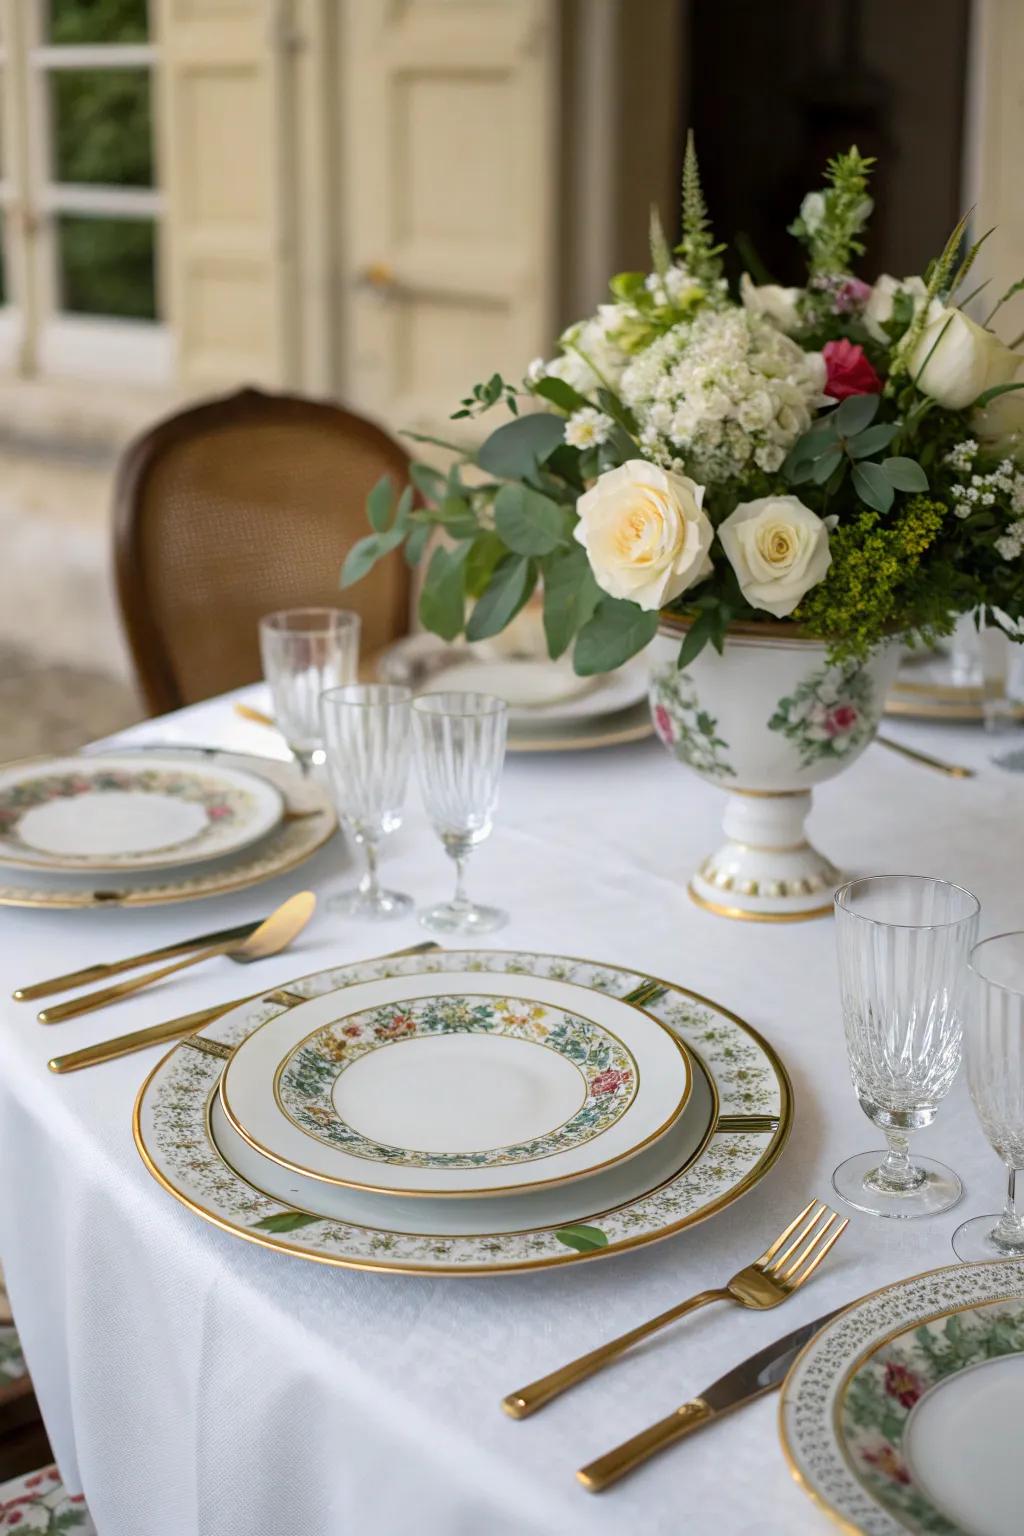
965 362
778 549
644 532
779 305
879 307
1000 425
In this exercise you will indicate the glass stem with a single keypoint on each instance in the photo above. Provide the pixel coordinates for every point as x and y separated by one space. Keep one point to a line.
1009 1230
459 852
369 885
896 1170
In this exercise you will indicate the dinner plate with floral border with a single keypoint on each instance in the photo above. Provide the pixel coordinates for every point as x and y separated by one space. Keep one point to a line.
750 1122
458 1085
904 1412
114 814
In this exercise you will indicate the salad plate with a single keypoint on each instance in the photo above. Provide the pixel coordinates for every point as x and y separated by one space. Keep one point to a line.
666 1189
904 1412
456 1085
116 814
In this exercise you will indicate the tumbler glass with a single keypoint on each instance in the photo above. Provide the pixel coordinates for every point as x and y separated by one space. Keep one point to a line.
994 1047
305 651
367 739
903 945
460 749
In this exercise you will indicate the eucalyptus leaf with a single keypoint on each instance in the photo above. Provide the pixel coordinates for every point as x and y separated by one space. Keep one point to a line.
855 413
826 463
872 440
872 486
430 483
583 1238
560 393
509 588
485 553
617 631
286 1221
417 543
443 600
904 474
515 450
696 638
529 523
362 557
404 509
380 504
570 596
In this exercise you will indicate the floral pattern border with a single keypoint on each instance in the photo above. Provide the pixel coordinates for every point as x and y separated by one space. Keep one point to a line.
173 1133
831 714
688 731
305 1088
810 1398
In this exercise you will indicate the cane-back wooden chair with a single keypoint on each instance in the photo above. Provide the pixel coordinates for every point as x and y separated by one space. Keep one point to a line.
233 509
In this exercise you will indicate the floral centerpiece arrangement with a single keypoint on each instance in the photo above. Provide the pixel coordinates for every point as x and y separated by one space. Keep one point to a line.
833 465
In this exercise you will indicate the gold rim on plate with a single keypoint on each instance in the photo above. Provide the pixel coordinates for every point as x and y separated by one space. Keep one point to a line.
637 727
491 1190
763 1164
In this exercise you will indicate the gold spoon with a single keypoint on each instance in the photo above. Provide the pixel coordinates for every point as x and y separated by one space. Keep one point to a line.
272 935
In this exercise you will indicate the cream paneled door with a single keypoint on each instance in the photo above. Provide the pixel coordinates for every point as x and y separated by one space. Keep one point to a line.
450 162
230 256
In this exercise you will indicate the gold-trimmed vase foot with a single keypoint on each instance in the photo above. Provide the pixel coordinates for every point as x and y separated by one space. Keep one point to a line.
766 871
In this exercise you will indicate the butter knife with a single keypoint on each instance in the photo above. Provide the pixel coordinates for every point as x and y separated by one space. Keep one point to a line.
750 1379
104 968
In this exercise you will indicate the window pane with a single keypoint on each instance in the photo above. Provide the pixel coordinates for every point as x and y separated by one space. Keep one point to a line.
99 21
101 126
107 266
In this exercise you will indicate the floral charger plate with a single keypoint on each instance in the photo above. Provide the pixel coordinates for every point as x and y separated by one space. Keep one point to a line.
731 1132
904 1413
113 814
456 1085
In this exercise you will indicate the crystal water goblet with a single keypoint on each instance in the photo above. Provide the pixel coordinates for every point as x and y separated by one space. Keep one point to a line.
460 749
903 943
305 651
367 741
994 1049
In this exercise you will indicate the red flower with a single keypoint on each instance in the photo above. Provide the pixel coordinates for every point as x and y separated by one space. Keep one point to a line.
663 724
843 718
218 812
352 1030
902 1384
888 1463
14 1517
848 371
608 1081
33 1482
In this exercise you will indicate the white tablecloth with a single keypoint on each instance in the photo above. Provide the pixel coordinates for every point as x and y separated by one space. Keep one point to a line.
194 1385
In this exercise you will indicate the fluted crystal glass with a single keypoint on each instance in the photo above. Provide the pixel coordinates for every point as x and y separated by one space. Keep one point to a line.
460 749
994 1048
305 651
903 944
368 741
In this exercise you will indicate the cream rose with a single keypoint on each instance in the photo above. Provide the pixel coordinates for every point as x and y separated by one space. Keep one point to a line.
778 549
1000 425
644 532
879 307
966 359
779 305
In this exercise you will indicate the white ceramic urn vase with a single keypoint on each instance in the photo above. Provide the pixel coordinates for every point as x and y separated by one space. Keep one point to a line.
766 721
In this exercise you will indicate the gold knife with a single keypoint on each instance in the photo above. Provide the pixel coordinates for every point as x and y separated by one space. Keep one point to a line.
106 968
751 1379
173 1029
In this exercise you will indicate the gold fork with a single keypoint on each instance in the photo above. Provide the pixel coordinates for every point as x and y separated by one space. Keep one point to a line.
768 1281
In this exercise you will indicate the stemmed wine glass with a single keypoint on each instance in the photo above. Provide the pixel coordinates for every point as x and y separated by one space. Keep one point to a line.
367 737
994 1047
903 944
460 749
305 651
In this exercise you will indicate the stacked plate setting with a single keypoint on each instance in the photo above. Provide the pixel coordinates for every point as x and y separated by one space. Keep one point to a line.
464 1112
142 827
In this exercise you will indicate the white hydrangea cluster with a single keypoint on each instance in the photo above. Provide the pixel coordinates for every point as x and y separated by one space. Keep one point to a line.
1011 544
1001 487
591 356
727 388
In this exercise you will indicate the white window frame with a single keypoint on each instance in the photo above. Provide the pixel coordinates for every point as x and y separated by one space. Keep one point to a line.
67 345
12 315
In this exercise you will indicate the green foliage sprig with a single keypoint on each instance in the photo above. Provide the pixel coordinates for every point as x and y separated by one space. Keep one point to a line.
830 222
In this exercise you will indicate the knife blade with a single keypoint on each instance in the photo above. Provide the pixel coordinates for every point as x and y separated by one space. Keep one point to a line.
751 1379
104 968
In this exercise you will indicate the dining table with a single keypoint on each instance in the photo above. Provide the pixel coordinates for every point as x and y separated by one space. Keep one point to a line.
195 1385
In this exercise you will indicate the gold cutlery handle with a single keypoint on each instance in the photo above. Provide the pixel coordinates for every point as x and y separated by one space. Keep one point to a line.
257 716
952 770
607 1469
91 1000
80 978
139 1039
528 1399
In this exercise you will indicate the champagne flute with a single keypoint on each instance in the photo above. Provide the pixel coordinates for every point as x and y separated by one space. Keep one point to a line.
903 944
366 729
994 1047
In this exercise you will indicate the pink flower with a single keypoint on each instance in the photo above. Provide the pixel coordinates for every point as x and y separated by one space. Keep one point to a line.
841 719
663 725
608 1081
902 1384
851 295
848 371
218 812
888 1463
